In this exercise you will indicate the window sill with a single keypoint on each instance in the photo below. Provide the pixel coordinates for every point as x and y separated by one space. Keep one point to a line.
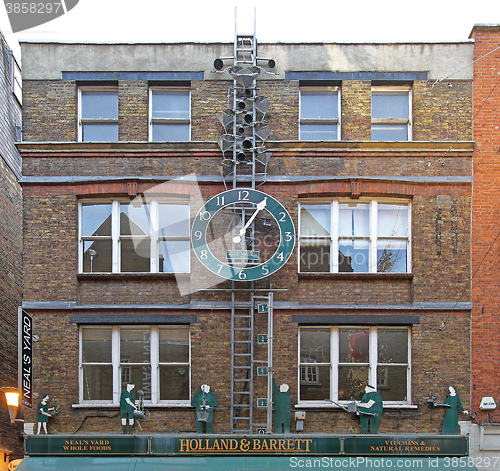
356 276
330 405
129 276
176 405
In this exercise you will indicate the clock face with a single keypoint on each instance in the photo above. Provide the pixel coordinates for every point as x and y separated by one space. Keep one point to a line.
243 235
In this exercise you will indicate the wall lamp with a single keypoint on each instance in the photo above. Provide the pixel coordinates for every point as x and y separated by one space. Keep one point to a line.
12 399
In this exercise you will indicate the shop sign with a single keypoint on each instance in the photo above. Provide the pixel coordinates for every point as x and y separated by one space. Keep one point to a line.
26 358
200 445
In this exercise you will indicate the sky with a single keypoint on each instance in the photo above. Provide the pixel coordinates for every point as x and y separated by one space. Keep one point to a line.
275 20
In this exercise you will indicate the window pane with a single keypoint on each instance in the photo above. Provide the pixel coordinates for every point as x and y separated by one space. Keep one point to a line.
354 220
96 345
392 345
97 382
135 255
134 219
353 346
174 220
140 375
318 132
174 382
390 105
100 105
97 256
353 256
314 256
318 389
135 345
391 256
315 345
100 132
96 220
174 344
352 382
392 382
170 104
389 132
315 220
318 105
392 220
174 256
171 132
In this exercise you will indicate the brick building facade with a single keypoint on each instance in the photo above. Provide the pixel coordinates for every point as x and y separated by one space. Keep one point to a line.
371 157
10 241
485 248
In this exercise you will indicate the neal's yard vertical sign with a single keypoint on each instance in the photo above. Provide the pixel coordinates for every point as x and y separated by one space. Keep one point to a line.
26 358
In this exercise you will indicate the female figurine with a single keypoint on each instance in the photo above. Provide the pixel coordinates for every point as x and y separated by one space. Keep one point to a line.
452 402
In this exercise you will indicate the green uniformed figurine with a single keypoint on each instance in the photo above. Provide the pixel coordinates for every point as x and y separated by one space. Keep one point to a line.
281 399
127 407
204 401
452 402
370 410
43 414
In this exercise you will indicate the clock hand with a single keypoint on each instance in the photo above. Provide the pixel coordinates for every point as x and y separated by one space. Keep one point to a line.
260 206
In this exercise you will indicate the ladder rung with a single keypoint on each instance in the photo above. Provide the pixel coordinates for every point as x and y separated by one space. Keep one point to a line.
246 393
242 341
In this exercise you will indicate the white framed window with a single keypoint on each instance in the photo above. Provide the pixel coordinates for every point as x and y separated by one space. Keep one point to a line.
97 114
157 359
355 236
319 114
169 114
124 237
391 114
337 363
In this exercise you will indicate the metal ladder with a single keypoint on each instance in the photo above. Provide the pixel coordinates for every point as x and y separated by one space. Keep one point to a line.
245 158
243 363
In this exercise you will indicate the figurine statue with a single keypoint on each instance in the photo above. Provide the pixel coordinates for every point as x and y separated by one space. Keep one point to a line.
452 402
127 407
204 401
281 399
43 413
370 410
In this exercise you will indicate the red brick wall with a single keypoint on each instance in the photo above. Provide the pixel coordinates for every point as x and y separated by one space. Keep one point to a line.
486 214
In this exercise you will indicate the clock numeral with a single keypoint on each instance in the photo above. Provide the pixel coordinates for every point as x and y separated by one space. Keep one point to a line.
265 270
242 275
280 257
288 236
220 267
220 201
198 235
282 216
205 216
243 195
204 254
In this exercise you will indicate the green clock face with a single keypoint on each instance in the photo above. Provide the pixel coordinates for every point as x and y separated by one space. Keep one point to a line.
243 235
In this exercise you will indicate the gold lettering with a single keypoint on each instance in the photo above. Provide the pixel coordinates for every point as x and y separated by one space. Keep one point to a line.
233 444
256 444
183 442
272 444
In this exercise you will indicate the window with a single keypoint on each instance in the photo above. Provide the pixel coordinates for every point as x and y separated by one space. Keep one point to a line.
155 358
170 111
367 236
124 237
319 114
337 363
98 114
391 111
